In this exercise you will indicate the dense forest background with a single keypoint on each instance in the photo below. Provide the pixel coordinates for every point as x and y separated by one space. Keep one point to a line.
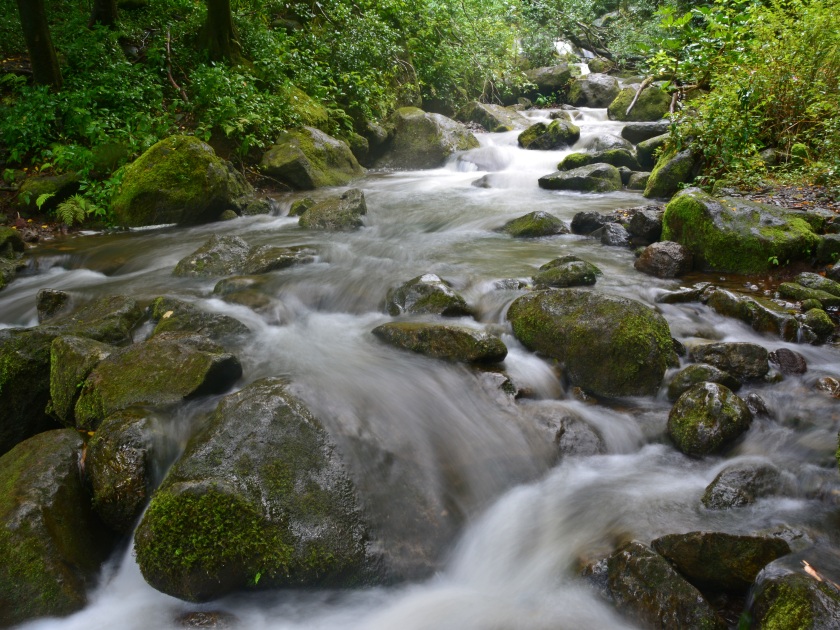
745 75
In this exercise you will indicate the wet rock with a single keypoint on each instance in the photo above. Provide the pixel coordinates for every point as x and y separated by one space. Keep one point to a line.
665 259
219 256
208 619
11 243
426 294
590 178
616 157
762 314
535 224
647 151
493 118
612 234
745 361
232 284
605 142
735 235
268 258
593 90
833 272
421 140
160 372
671 170
566 271
50 302
645 224
610 346
653 104
741 484
818 282
308 158
337 214
8 270
556 135
490 158
790 600
720 562
59 186
637 132
706 419
71 361
828 248
300 206
807 305
174 315
638 180
110 319
292 521
690 376
587 222
179 180
51 543
788 361
551 79
443 341
794 291
757 405
645 587
829 385
255 206
569 435
818 321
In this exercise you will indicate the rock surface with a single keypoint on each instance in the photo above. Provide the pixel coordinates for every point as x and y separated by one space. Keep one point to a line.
443 341
421 140
743 360
426 294
653 104
706 419
535 224
691 375
556 135
219 256
337 214
566 271
593 90
493 118
741 484
590 178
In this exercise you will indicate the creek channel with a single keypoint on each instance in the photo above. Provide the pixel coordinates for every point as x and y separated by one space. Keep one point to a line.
516 523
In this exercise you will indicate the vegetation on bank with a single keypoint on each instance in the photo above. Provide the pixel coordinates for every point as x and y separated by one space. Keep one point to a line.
744 76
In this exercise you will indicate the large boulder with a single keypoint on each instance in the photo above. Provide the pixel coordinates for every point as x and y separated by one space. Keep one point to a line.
558 134
492 117
308 158
735 235
671 171
179 180
422 140
51 542
552 79
443 341
637 132
617 157
610 346
707 418
653 104
591 178
743 360
593 90
426 294
58 187
260 498
535 224
218 256
111 319
762 314
336 214
665 259
71 361
173 315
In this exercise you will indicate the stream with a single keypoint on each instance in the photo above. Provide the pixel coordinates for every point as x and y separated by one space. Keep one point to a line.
520 524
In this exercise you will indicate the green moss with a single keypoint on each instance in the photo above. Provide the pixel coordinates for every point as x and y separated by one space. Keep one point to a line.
653 104
790 608
534 224
574 160
555 135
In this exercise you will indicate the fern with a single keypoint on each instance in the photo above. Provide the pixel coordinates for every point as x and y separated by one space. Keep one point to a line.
74 210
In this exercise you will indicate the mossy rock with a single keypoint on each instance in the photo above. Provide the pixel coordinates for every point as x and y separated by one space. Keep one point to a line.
259 499
337 214
616 157
535 224
173 315
691 375
828 249
741 484
71 361
593 90
551 79
178 180
762 314
49 303
443 341
308 158
218 256
818 321
566 271
574 160
309 111
734 235
609 346
637 132
595 178
51 543
299 206
493 118
798 293
794 601
558 134
158 373
647 151
268 258
426 295
8 270
743 360
110 319
653 104
59 186
706 419
818 282
671 171
11 243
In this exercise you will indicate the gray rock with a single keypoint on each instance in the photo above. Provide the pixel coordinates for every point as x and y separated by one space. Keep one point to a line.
426 294
556 135
587 222
219 256
788 362
706 419
819 283
665 259
535 224
593 90
422 140
647 151
741 484
551 79
590 178
267 258
337 214
443 341
645 225
828 248
745 361
612 234
493 118
762 314
637 132
691 375
50 303
567 271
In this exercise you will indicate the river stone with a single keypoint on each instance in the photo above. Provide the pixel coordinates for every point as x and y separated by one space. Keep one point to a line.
179 180
691 375
638 180
109 319
816 281
173 315
653 104
51 542
593 90
308 158
818 321
794 291
11 243
551 79
735 235
645 587
741 484
647 151
300 206
569 435
707 418
493 118
590 178
762 314
833 272
267 258
337 214
616 157
71 361
720 562
645 224
587 222
788 361
743 360
671 171
443 341
220 620
566 271
637 132
613 235
421 140
120 466
686 295
160 372
556 135
828 248
605 142
788 600
219 256
535 224
610 346
259 499
50 303
9 269
426 294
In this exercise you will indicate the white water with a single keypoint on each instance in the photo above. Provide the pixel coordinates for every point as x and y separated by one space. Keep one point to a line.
519 528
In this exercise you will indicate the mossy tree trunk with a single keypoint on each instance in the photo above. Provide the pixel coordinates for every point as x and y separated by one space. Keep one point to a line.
104 12
36 32
219 37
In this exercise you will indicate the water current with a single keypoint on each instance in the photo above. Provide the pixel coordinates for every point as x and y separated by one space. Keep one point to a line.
519 523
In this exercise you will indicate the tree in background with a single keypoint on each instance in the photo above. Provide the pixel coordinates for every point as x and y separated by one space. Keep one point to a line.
36 32
218 36
104 12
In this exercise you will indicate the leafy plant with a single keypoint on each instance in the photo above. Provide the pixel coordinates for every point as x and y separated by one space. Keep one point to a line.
74 209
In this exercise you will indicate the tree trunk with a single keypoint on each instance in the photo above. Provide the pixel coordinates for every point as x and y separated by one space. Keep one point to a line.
104 12
219 37
36 32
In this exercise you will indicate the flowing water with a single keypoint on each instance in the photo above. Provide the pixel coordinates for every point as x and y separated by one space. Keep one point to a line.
517 525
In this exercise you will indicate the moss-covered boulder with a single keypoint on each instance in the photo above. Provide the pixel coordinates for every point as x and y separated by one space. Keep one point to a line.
741 484
308 158
494 118
609 346
637 132
218 256
337 214
426 294
179 180
50 303
59 186
420 140
259 499
671 171
696 373
71 361
616 157
558 134
647 151
9 268
762 314
160 372
820 283
819 323
598 178
646 587
566 271
665 259
791 600
535 224
743 360
110 319
828 249
443 341
309 111
735 235
638 180
268 258
11 243
51 542
653 104
717 561
550 80
707 418
593 90
796 292
173 315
